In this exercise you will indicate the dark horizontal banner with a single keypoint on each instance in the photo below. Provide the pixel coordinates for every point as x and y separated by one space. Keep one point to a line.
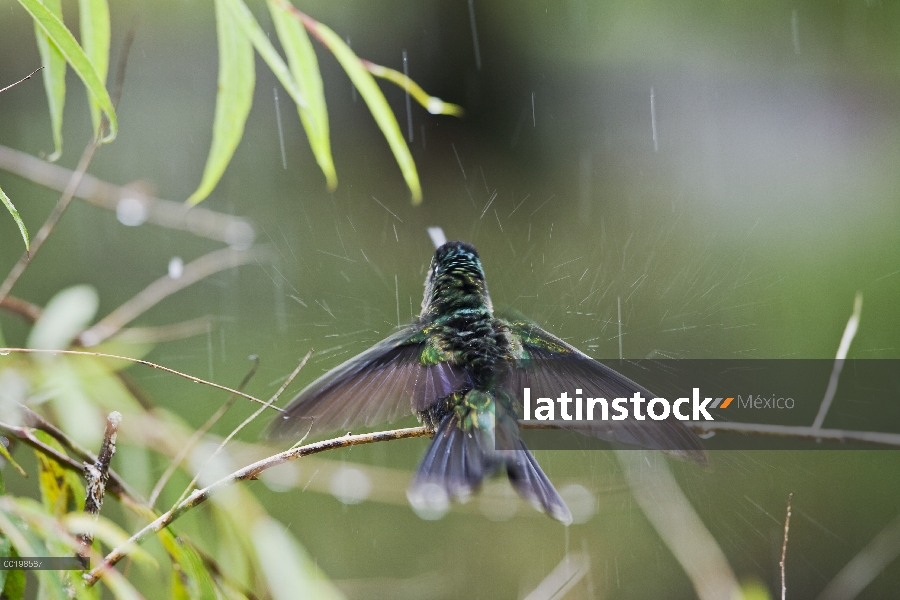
45 563
737 404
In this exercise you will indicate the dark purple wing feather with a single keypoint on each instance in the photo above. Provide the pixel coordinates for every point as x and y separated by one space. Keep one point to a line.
381 385
551 366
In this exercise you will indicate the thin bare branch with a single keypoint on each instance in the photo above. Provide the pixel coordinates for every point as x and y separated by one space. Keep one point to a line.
176 462
134 335
865 566
246 422
787 526
838 435
119 80
566 575
165 333
249 472
36 243
791 431
203 267
677 523
26 78
23 308
139 361
116 485
96 475
843 348
133 205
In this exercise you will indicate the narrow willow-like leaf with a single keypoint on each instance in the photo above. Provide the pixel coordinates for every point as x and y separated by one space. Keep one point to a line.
54 28
233 98
62 491
15 215
106 532
305 69
95 33
8 457
54 76
5 545
14 584
376 101
432 104
27 542
190 579
290 571
265 48
66 315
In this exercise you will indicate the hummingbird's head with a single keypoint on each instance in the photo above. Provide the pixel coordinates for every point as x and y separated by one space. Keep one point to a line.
455 280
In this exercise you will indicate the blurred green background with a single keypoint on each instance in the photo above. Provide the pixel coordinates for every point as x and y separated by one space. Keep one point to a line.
725 171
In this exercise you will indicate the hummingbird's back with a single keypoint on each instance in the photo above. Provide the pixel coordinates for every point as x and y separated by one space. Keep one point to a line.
458 312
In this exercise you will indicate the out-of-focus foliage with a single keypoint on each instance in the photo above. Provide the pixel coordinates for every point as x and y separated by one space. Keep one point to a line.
61 49
71 391
15 215
237 31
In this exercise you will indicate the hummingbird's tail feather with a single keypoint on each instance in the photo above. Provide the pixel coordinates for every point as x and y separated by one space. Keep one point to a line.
459 458
529 480
454 466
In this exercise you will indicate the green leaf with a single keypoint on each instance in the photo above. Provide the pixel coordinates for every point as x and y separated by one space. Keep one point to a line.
54 74
233 98
93 18
5 548
62 381
15 215
108 533
57 32
5 454
432 104
13 583
190 579
265 48
26 542
290 571
376 101
61 490
305 70
66 315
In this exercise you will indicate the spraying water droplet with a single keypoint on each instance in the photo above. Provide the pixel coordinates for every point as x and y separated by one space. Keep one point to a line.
176 267
350 486
437 236
131 212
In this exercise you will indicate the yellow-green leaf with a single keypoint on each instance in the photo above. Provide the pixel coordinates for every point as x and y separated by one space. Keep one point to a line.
107 532
27 542
66 315
15 215
233 98
61 490
290 571
57 32
265 48
376 101
305 70
95 33
12 584
190 579
54 75
6 455
432 104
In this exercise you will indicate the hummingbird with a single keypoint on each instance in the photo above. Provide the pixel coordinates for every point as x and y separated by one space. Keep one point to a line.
457 368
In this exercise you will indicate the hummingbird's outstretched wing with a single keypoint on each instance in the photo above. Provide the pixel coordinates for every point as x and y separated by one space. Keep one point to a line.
395 378
549 366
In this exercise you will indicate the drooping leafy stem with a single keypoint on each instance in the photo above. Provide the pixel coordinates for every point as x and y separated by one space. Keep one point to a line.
3 197
303 81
